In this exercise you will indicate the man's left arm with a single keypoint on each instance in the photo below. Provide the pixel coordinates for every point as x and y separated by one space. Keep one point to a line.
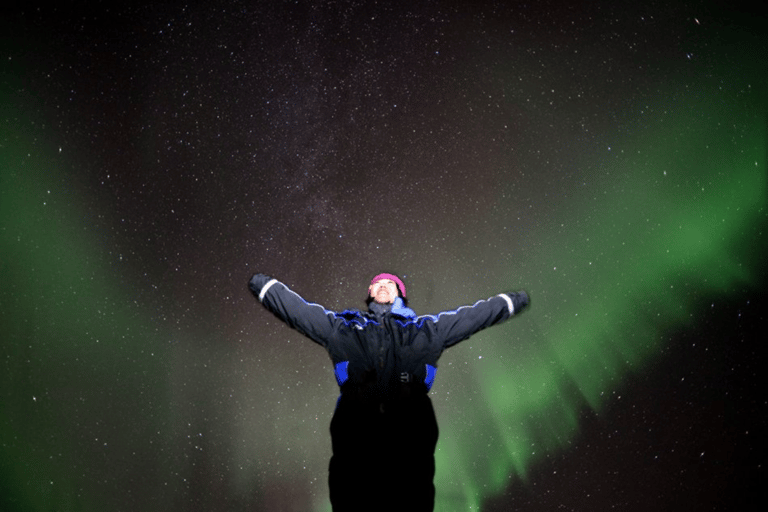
458 325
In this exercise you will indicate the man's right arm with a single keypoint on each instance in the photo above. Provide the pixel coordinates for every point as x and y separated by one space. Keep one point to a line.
312 320
459 324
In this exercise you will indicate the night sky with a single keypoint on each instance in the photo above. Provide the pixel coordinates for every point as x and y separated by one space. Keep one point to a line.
607 157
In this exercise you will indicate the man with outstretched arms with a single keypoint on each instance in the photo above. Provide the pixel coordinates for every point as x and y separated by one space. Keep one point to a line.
384 429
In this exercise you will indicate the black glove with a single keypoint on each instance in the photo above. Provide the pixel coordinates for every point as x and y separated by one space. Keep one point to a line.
519 300
257 282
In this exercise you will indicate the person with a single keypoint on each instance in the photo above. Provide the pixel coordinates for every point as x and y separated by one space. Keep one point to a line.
383 430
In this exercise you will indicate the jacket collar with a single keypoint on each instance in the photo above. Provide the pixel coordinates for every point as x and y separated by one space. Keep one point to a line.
398 308
379 309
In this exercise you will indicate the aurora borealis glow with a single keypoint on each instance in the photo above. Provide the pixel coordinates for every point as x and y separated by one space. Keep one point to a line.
611 325
609 160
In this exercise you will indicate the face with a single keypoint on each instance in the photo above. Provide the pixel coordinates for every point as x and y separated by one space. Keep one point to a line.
383 291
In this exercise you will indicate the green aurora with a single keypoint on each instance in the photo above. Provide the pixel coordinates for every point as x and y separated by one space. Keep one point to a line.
678 234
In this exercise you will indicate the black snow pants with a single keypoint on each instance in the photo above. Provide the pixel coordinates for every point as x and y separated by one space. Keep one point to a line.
383 455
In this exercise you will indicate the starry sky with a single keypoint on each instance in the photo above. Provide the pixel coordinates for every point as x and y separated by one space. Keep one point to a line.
607 157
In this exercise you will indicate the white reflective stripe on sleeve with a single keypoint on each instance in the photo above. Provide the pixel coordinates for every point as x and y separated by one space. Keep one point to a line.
509 303
264 290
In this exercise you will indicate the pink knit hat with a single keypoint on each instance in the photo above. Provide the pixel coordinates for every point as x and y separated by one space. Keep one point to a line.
393 277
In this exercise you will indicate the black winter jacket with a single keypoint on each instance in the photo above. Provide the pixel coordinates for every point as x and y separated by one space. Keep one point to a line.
377 354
